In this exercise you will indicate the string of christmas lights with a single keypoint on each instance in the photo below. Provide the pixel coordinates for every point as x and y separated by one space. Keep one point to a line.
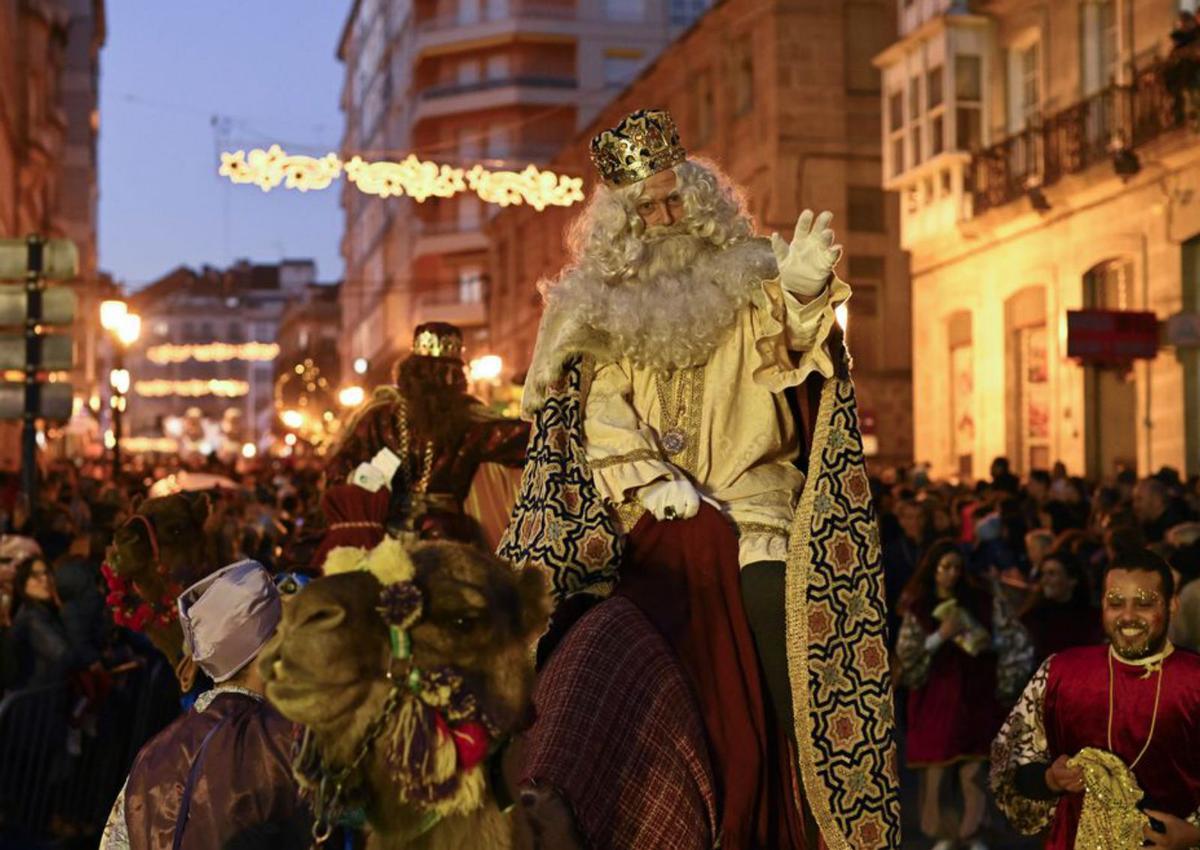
195 388
413 177
212 352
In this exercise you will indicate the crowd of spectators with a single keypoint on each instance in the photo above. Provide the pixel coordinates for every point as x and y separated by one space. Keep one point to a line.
962 562
984 581
56 630
1046 538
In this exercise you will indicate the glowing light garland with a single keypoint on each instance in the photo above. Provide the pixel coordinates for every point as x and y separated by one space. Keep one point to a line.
195 388
416 178
213 352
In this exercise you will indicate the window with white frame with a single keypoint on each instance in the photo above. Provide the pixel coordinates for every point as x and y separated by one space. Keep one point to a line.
916 150
895 111
468 71
470 285
968 102
935 93
624 10
933 104
620 67
499 142
1025 84
1098 50
497 67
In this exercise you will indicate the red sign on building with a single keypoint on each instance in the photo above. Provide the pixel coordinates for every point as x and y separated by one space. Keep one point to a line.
1111 336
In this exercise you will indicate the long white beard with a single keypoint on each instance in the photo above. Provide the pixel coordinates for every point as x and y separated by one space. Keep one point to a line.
673 309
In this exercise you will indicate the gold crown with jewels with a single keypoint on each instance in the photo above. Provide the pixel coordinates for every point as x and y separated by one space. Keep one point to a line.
642 145
437 339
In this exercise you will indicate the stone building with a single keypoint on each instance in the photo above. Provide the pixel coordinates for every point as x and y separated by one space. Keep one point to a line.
782 94
49 121
1045 165
498 82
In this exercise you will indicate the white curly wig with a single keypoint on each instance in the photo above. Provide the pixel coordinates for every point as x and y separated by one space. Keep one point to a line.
662 296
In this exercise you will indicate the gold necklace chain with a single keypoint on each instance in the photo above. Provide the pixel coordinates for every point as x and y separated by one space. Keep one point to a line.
421 484
674 440
1153 716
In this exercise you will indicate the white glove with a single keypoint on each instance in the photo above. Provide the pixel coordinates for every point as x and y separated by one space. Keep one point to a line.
670 499
804 266
368 477
377 474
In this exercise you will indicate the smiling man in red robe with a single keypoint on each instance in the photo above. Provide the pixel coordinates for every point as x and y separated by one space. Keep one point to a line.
1137 699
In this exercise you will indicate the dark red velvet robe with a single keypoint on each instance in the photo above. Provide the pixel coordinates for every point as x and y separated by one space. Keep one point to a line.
684 576
245 780
1075 713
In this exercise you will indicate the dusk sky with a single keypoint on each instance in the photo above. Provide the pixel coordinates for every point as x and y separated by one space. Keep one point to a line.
270 70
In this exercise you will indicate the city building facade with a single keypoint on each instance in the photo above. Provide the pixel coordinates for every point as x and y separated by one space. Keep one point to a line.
49 122
209 341
498 82
1047 162
782 94
308 376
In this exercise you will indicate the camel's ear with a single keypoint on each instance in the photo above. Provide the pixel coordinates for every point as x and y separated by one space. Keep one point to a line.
199 506
534 600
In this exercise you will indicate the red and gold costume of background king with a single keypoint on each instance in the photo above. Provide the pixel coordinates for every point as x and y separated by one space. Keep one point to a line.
440 436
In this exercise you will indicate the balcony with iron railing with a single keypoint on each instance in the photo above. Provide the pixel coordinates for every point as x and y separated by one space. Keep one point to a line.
1107 127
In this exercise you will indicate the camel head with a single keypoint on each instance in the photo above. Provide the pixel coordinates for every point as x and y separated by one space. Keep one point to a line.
161 550
171 529
478 616
330 653
481 618
328 665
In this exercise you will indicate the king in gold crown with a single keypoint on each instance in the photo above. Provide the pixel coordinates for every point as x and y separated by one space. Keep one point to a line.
642 145
438 339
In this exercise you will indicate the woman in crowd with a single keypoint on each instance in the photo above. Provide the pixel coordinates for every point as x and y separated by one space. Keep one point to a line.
1058 614
39 638
947 661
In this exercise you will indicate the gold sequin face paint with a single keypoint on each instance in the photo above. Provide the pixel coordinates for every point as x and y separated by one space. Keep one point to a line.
1135 614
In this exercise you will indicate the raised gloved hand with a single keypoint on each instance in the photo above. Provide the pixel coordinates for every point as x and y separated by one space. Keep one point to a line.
805 264
670 499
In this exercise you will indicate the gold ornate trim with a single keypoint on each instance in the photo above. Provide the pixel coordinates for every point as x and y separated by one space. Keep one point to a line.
837 654
628 457
799 570
761 528
629 514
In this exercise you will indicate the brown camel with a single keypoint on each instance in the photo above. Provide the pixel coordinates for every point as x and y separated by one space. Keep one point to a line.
163 548
332 668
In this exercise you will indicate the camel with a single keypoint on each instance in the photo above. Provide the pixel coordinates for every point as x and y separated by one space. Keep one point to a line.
164 547
332 667
328 668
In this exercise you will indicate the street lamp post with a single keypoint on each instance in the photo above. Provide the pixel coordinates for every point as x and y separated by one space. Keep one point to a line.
125 327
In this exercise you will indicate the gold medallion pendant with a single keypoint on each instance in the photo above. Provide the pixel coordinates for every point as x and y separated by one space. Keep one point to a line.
674 441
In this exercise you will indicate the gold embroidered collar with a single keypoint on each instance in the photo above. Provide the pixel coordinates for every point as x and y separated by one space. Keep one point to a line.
1152 663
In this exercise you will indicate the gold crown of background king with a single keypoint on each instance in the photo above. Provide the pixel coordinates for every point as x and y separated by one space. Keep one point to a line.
437 339
643 144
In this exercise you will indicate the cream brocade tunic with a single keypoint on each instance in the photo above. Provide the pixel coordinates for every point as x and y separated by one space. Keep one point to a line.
741 439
